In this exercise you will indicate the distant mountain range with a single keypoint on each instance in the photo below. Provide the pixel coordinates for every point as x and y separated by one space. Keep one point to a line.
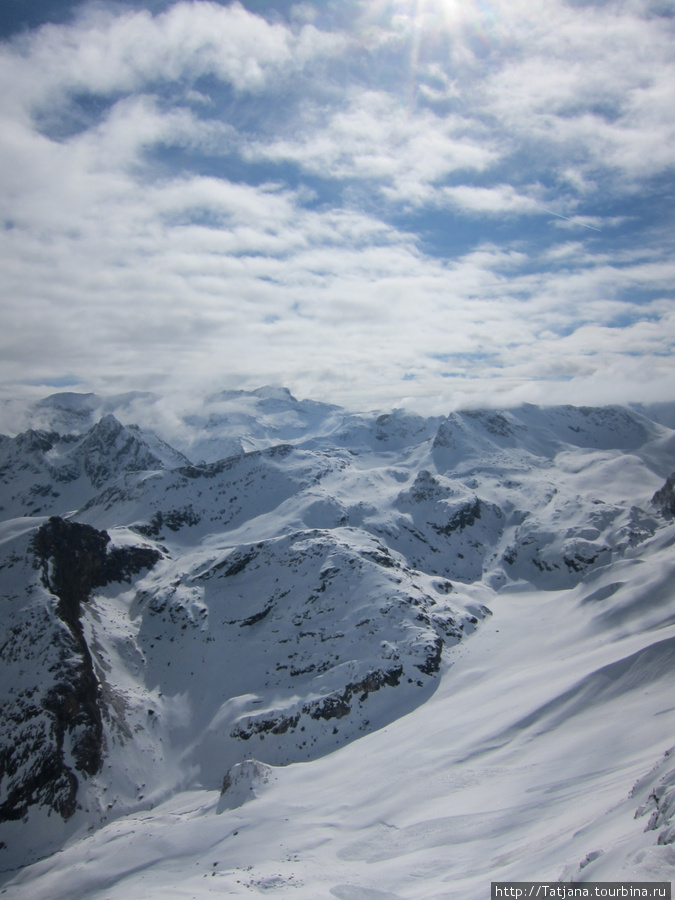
191 603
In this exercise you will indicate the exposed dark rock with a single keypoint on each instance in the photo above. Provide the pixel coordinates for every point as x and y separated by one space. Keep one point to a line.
660 804
338 705
304 671
258 617
334 706
579 563
279 451
58 729
237 562
510 555
50 783
432 663
268 725
72 557
174 519
123 562
382 557
45 719
74 560
664 498
425 488
463 518
375 680
110 448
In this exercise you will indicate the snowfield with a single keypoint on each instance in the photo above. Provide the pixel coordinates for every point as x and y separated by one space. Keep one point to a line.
354 657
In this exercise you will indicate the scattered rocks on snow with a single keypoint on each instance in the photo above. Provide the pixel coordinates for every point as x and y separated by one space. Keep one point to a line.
660 805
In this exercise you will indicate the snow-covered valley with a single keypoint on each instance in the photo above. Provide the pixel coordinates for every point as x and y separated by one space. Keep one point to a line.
352 656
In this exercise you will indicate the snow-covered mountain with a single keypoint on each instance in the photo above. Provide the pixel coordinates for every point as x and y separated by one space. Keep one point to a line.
357 656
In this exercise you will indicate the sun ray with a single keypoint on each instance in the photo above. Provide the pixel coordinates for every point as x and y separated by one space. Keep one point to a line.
441 32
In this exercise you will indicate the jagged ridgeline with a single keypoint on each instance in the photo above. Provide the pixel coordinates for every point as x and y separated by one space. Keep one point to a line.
272 579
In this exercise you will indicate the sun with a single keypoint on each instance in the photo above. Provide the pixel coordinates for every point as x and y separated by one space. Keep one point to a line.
476 28
436 17
429 12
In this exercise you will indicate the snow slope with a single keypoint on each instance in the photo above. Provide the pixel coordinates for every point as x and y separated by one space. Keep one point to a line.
400 659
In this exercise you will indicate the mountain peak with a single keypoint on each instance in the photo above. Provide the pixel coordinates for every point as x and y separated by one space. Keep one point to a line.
272 392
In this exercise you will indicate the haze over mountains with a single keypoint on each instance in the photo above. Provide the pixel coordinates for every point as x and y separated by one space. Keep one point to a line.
283 646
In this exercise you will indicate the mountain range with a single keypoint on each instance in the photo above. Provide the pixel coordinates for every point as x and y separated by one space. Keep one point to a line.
287 647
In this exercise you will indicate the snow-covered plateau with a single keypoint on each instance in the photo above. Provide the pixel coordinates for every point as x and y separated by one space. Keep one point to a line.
271 647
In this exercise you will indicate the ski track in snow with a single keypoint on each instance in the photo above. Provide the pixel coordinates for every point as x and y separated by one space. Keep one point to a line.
535 753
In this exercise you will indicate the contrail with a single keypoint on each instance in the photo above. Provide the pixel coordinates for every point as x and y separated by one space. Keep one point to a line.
576 222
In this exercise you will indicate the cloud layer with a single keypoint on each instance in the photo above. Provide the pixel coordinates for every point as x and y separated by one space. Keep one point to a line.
383 203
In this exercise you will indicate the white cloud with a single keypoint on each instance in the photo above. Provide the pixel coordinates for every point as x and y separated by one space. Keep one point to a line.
501 198
376 137
597 83
188 241
106 52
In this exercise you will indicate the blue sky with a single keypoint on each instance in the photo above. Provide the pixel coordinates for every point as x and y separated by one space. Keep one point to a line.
422 203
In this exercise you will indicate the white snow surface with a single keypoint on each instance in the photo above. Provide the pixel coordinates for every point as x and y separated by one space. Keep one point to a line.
381 656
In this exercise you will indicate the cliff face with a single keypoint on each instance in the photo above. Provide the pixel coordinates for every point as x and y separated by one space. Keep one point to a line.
72 558
57 723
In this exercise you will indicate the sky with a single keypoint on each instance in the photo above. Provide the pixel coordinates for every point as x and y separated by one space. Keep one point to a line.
377 203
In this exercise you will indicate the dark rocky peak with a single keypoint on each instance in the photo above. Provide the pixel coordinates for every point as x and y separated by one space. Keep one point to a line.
105 442
72 558
50 472
75 558
272 392
34 441
33 445
425 488
107 428
110 449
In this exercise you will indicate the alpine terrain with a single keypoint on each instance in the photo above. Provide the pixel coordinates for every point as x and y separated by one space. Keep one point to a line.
272 647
